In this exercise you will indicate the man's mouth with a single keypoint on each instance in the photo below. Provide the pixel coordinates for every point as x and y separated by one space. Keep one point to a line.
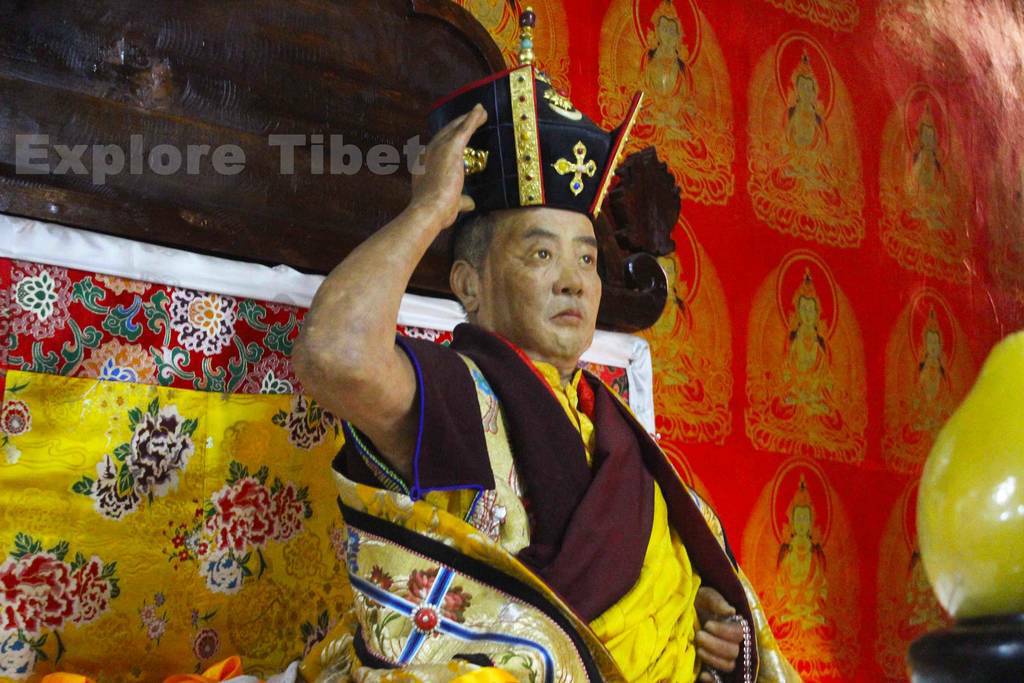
570 315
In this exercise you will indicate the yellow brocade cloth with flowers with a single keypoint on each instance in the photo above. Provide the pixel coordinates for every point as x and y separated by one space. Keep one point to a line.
650 630
149 531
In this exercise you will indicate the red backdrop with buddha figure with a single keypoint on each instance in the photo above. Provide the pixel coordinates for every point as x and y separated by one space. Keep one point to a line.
851 207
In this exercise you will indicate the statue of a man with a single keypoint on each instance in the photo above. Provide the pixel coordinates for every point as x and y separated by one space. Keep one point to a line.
505 510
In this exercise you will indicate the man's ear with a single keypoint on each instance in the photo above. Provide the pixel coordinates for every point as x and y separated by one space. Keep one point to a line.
464 279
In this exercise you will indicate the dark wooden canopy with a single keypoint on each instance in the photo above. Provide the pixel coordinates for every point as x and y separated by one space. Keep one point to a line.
137 74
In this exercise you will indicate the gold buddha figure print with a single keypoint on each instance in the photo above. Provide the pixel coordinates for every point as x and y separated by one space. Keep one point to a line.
907 607
804 159
798 550
806 387
928 370
925 188
691 347
800 583
669 47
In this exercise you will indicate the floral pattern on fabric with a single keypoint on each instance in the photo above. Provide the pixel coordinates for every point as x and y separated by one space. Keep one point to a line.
203 322
153 622
307 422
147 466
313 633
116 329
418 585
41 594
615 378
40 297
240 519
75 323
120 285
15 420
206 644
115 361
442 337
247 499
272 375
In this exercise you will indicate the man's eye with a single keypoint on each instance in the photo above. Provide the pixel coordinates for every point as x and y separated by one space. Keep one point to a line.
587 259
543 254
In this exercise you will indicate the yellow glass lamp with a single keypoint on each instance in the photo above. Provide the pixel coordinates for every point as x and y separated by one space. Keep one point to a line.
970 507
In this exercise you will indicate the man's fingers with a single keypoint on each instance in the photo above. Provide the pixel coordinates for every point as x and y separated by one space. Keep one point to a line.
474 119
717 646
450 130
452 126
457 127
449 142
720 605
724 650
716 662
710 604
727 630
705 677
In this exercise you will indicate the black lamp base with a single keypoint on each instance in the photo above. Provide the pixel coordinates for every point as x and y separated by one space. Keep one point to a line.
987 649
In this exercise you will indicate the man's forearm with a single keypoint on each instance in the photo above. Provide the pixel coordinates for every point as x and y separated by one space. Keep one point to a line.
345 356
353 315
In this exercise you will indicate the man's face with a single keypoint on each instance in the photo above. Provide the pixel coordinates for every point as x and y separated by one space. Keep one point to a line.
539 287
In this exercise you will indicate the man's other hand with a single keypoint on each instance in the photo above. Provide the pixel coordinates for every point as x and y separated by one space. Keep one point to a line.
719 640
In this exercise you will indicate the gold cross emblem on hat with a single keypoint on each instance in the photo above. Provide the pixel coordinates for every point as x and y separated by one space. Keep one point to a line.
578 169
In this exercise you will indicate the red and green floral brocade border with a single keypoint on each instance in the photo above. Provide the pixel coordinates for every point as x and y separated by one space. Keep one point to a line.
75 323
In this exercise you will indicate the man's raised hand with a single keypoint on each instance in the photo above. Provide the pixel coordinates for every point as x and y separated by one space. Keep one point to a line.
438 190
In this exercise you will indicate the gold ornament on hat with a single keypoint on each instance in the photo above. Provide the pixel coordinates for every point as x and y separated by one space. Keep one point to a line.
474 160
578 169
527 20
560 104
524 116
527 137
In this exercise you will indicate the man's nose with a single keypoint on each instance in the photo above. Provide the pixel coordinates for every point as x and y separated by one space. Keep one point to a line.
570 279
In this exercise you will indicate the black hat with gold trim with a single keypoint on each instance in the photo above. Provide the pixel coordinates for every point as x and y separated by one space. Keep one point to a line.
536 148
